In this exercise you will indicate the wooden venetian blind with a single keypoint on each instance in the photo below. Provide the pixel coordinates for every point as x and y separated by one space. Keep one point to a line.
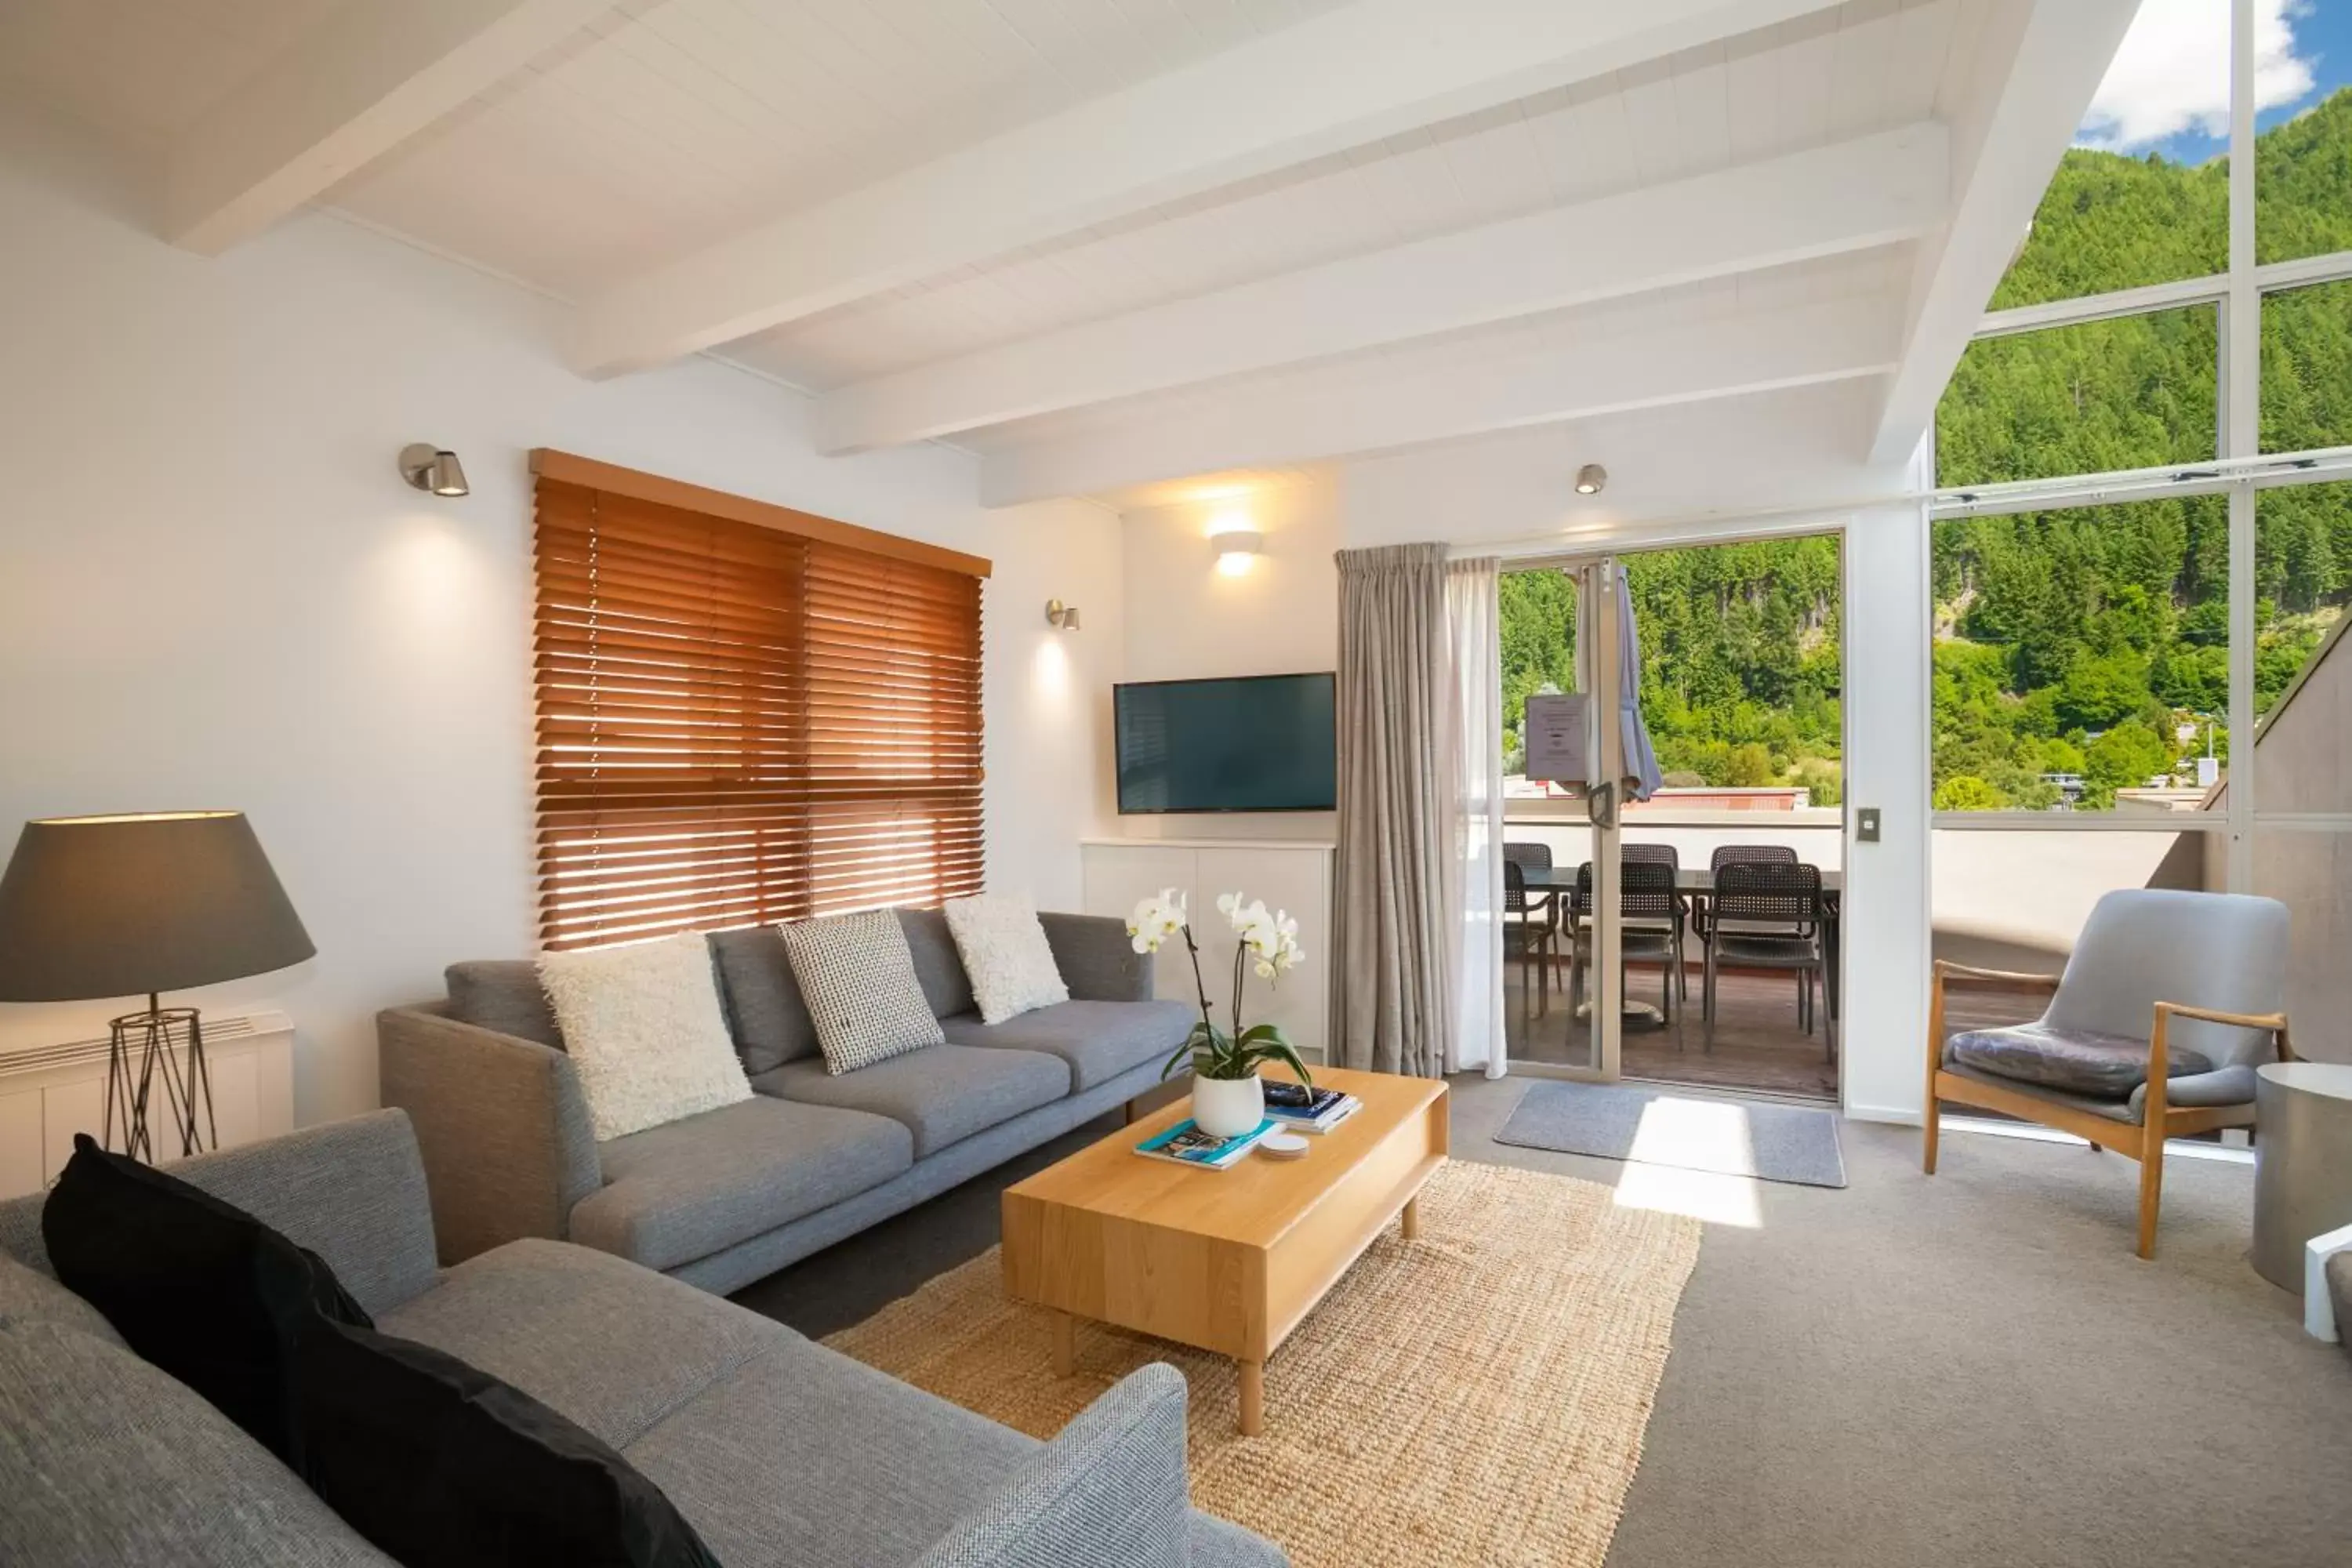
741 723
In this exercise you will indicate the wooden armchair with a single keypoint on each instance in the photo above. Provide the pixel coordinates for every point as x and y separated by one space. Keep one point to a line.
2084 1067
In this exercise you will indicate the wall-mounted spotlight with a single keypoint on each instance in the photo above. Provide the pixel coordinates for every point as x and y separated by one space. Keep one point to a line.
1236 548
1590 478
428 468
1062 617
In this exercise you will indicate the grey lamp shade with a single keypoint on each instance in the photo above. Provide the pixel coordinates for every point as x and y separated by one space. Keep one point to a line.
122 905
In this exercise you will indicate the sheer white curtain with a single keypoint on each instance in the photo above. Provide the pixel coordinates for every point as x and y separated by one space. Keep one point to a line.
1473 645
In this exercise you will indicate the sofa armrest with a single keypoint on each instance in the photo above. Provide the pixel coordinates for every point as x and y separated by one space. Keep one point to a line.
1109 1493
508 1144
1098 959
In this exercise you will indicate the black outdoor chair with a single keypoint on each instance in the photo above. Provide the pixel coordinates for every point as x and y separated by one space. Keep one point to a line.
1529 932
1767 914
1652 928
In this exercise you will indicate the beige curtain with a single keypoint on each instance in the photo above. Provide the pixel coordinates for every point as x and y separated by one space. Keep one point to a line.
1394 880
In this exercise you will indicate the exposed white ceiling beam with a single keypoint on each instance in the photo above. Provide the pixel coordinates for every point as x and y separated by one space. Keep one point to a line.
1827 201
1341 80
375 73
2061 49
1408 397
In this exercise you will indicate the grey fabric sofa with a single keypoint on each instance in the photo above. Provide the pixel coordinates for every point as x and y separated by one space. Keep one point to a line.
722 1198
781 1453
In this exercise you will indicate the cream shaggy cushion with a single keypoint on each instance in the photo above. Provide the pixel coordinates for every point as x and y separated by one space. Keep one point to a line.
643 1025
1005 954
858 976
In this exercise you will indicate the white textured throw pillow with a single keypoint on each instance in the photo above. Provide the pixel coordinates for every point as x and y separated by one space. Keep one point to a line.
858 976
643 1026
1005 953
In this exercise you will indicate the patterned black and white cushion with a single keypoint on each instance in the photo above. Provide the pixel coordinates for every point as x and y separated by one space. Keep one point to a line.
858 976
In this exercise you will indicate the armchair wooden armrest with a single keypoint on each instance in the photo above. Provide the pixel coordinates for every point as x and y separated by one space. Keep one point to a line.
2275 1023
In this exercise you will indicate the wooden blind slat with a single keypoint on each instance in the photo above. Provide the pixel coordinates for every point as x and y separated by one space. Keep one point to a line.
738 723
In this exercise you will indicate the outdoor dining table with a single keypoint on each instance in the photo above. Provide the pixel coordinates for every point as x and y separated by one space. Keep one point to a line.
1696 883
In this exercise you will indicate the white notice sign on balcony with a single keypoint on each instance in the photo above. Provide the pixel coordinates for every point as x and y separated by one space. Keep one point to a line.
1555 737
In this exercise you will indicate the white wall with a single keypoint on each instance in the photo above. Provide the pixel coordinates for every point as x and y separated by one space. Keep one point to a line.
1186 620
214 591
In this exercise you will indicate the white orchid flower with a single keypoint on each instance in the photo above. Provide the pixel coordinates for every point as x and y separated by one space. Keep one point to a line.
1156 919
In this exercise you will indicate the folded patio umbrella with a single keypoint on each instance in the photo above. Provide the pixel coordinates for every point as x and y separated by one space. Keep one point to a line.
1642 775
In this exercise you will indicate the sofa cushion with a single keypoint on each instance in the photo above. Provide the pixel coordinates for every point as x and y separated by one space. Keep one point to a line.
2077 1061
938 966
438 1462
612 1346
502 995
1005 955
852 1467
764 1010
1099 1040
28 1295
108 1462
643 1025
195 1285
689 1188
939 1095
858 976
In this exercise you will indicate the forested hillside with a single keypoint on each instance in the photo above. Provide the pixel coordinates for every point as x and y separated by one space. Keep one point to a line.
2076 642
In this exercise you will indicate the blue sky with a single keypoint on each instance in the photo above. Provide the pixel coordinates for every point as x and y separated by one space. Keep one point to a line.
2168 89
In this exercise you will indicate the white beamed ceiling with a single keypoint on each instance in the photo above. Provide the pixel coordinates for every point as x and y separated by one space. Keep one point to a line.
652 135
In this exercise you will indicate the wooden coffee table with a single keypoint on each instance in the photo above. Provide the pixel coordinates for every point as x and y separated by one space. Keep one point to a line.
1229 1260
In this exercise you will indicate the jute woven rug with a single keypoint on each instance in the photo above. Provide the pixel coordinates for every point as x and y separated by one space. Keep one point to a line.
1475 1397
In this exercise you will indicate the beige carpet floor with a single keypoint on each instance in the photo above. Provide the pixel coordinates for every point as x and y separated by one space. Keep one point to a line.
1476 1396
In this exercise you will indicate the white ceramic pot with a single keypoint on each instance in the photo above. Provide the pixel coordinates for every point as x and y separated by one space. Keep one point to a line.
1228 1106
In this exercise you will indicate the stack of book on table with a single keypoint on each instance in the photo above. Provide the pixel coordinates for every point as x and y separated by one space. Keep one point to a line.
1188 1145
1297 1109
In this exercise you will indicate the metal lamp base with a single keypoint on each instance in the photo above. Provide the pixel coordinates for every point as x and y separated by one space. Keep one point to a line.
144 1050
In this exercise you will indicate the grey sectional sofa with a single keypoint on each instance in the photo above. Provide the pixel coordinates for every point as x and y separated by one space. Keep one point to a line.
722 1198
781 1453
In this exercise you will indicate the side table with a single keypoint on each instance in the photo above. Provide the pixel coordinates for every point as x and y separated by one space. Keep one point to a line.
2303 1162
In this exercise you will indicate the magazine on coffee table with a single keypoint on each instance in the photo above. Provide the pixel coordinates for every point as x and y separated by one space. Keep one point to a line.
1188 1145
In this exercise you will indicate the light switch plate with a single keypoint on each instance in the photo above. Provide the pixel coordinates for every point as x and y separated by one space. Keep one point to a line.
1865 825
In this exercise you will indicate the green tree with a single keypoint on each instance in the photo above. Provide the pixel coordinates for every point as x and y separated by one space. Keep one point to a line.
1965 792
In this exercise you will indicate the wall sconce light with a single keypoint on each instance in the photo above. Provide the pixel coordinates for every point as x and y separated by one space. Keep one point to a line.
428 468
1062 617
1236 548
1590 478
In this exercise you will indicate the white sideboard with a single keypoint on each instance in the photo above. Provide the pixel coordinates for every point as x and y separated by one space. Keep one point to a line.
1287 874
49 1093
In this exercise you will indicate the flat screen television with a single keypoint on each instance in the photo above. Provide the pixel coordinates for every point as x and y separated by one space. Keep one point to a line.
1256 743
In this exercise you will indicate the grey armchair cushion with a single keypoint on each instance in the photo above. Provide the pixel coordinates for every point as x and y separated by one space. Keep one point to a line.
1100 1040
2107 1067
503 995
936 964
108 1462
941 1094
2146 945
764 1011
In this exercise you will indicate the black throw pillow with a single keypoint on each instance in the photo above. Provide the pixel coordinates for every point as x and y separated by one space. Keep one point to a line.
195 1286
438 1463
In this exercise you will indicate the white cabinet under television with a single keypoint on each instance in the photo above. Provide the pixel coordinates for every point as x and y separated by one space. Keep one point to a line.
1287 874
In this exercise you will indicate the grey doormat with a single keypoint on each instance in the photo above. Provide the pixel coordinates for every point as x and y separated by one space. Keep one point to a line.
1656 1127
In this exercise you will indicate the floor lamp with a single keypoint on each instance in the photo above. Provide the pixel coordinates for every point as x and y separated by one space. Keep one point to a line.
127 906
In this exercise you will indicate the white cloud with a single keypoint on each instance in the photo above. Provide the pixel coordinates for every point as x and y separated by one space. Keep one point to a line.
2172 73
